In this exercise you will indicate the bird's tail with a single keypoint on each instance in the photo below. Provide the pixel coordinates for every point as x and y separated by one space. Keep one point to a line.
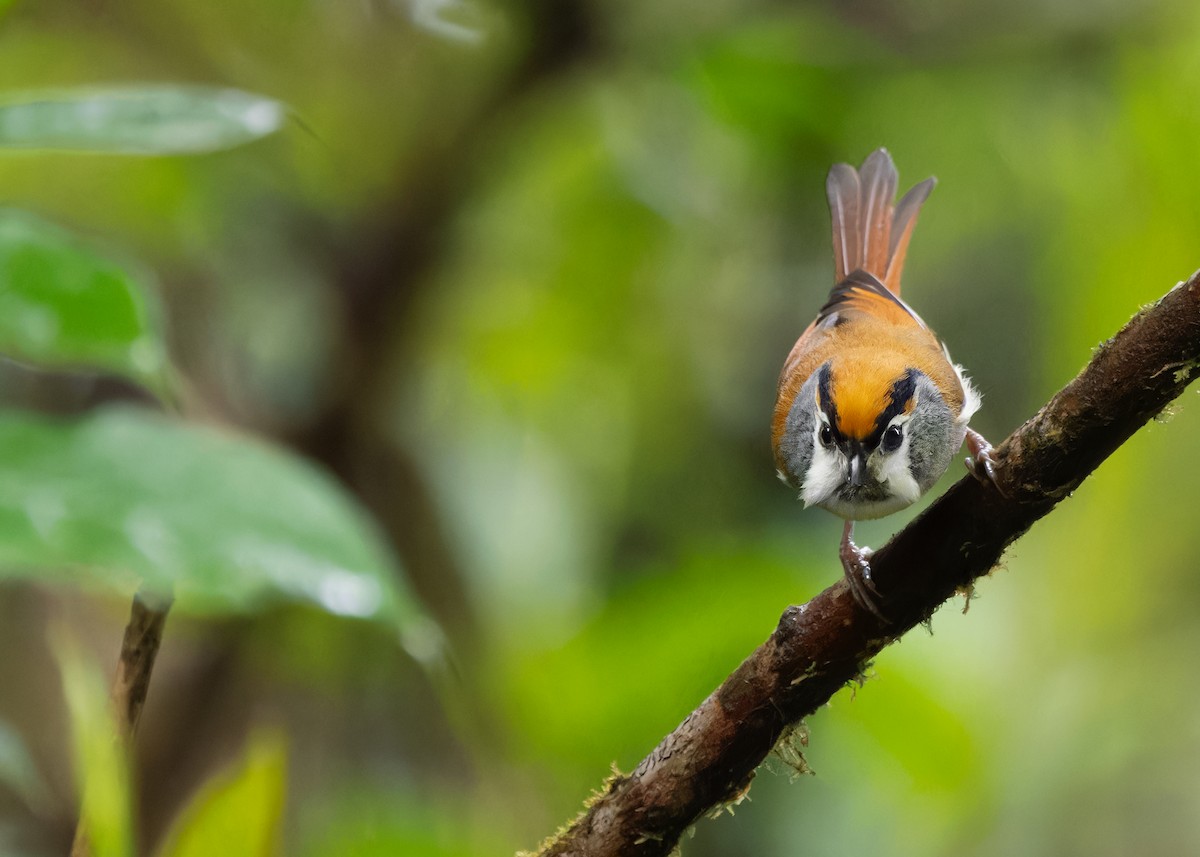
870 233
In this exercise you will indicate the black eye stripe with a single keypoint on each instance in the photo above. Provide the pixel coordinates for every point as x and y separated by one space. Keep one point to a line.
825 401
898 397
901 392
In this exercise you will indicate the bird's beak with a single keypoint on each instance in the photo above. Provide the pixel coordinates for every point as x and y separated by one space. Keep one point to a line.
858 470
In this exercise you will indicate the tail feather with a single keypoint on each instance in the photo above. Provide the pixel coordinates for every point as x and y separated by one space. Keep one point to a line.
843 190
903 222
869 232
878 178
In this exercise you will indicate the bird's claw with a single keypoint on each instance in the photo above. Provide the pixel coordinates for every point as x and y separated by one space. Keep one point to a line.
856 564
981 465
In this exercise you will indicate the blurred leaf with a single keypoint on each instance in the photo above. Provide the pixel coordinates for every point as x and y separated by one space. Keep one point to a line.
238 812
658 665
64 305
358 822
450 19
779 81
226 521
137 120
101 773
911 725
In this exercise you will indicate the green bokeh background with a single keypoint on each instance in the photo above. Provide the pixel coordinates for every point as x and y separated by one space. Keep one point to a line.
522 276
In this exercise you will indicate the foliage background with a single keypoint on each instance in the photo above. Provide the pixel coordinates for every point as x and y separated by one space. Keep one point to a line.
521 275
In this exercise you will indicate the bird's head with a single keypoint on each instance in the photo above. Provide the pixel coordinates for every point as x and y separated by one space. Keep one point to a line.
866 441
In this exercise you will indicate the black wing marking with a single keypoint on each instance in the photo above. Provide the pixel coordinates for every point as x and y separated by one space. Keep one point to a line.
858 282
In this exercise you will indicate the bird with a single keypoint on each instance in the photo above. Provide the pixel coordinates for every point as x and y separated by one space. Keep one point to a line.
871 409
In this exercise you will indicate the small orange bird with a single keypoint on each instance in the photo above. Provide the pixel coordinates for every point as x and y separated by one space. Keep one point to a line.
871 409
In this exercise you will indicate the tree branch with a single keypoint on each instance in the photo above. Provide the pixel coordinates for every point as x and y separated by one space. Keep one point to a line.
820 646
139 648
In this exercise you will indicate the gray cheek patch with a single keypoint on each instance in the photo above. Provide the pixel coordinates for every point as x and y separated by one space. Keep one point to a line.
931 431
797 442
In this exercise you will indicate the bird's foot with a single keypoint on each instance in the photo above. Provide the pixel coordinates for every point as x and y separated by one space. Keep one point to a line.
981 464
856 564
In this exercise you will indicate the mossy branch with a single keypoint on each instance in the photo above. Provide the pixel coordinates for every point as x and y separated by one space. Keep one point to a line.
818 647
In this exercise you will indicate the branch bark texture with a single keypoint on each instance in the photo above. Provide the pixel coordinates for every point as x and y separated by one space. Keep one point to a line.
139 649
818 647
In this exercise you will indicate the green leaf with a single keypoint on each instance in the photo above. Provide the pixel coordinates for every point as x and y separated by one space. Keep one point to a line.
226 522
238 812
137 120
64 305
101 772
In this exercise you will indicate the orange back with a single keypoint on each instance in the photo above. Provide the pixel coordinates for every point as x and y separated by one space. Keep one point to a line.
865 331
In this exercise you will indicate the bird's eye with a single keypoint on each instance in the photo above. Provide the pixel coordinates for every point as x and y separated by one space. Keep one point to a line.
826 435
891 439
